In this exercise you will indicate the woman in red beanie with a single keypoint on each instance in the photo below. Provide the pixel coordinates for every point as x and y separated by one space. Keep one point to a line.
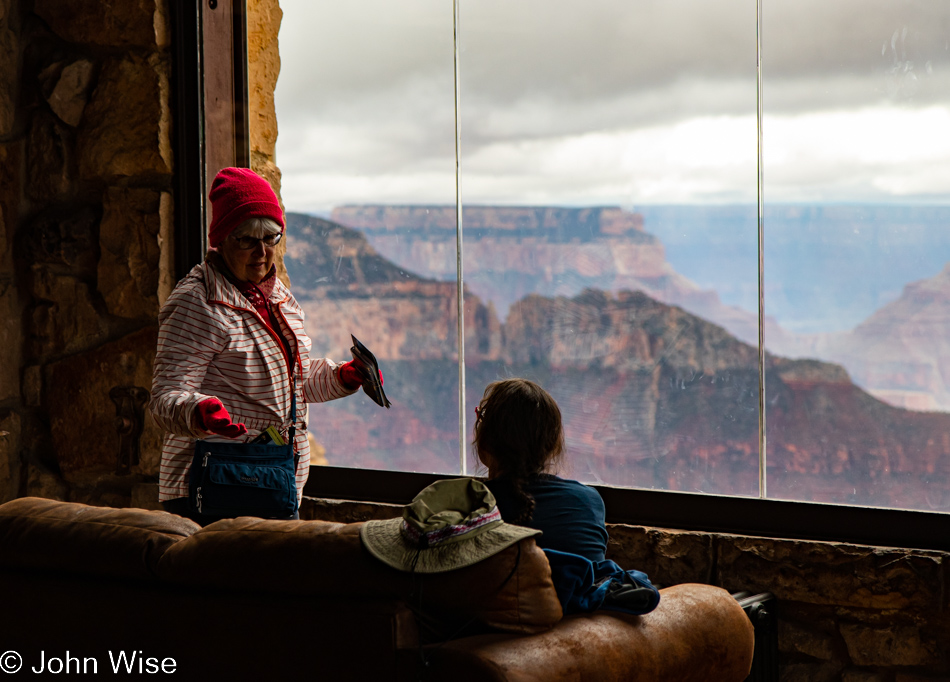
231 342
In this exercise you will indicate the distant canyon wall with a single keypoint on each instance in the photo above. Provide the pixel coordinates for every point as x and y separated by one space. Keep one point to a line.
510 253
900 354
653 395
571 222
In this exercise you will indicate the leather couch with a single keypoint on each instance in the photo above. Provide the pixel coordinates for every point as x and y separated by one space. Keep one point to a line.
247 599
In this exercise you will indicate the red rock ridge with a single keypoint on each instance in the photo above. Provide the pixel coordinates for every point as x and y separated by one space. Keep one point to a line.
901 353
609 221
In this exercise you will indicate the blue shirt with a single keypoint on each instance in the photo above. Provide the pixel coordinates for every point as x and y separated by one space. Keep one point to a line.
570 514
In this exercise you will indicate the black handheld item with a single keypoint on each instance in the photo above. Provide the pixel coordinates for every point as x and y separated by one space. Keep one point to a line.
369 370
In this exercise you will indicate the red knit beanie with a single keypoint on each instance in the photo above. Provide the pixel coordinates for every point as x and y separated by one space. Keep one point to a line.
238 194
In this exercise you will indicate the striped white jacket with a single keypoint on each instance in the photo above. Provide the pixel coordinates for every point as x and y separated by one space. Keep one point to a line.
213 343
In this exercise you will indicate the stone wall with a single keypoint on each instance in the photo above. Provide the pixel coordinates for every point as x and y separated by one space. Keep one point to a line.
86 232
846 612
263 25
86 171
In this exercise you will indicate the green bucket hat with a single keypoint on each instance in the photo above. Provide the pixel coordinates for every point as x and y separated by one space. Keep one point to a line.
450 524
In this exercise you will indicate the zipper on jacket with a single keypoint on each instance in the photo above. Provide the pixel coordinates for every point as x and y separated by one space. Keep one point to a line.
297 360
275 338
292 368
273 334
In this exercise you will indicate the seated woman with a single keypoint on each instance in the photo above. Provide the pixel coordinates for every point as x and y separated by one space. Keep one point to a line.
519 437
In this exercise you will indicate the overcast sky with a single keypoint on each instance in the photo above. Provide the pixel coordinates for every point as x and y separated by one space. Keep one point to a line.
572 102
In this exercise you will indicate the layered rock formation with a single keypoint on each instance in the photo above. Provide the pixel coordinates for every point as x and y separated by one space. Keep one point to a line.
346 288
900 354
563 223
512 252
653 396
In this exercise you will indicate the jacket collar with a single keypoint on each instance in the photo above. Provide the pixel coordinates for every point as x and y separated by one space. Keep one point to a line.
220 290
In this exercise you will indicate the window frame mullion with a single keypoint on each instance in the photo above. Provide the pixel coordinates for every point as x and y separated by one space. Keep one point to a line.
760 208
459 282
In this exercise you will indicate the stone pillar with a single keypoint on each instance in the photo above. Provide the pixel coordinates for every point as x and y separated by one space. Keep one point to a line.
11 300
263 25
86 226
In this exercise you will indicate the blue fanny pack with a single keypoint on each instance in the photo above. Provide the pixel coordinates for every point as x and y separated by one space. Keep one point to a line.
246 479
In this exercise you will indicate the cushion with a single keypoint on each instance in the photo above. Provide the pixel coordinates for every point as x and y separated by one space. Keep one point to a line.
511 591
37 533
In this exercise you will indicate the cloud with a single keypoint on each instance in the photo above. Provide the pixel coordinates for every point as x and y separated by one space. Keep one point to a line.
595 49
708 157
859 155
566 101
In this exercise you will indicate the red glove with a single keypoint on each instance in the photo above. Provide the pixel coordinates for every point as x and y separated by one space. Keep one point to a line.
212 417
351 378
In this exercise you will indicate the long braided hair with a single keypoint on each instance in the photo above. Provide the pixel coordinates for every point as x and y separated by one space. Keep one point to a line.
518 434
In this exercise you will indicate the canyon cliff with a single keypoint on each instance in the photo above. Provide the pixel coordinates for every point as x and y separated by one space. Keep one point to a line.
510 252
345 287
900 354
653 396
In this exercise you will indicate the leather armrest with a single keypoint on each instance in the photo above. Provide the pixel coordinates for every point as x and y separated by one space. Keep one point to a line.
697 633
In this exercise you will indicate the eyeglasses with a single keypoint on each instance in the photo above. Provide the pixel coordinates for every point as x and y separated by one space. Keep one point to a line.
478 414
248 243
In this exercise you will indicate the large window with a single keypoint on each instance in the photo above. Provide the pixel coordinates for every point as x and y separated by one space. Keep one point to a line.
856 180
367 133
617 167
